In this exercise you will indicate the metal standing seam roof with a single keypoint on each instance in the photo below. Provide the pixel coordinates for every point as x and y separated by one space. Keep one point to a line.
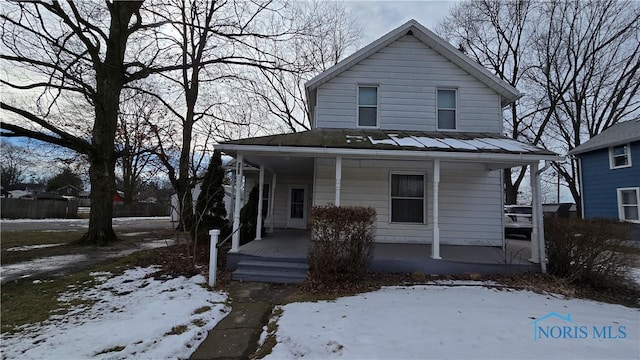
374 139
620 133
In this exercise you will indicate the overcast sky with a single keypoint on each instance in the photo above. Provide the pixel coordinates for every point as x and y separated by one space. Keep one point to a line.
380 17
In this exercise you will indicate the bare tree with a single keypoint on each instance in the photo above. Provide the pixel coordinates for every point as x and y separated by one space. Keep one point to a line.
589 63
497 34
212 41
329 32
577 61
14 164
136 141
60 53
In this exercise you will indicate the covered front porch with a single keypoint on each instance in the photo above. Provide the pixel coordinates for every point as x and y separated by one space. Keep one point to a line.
287 245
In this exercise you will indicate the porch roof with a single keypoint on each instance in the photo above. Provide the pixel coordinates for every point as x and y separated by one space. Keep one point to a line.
392 144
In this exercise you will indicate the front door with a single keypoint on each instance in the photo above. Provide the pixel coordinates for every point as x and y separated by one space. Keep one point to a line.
297 207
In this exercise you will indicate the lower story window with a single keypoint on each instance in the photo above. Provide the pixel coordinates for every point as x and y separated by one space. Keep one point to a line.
629 204
407 198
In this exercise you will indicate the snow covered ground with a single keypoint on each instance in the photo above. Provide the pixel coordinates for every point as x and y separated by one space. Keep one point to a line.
132 317
455 322
52 264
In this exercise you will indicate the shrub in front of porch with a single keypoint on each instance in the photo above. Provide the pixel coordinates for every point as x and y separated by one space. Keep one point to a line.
591 251
342 240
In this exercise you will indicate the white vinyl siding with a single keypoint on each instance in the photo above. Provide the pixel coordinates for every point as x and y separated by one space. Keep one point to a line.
280 204
408 74
470 199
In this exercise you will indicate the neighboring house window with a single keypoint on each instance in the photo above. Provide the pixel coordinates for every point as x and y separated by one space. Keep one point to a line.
407 198
620 156
446 109
368 106
629 204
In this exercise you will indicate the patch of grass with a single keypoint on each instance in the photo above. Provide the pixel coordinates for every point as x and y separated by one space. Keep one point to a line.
113 349
177 330
25 302
201 310
31 237
270 341
198 322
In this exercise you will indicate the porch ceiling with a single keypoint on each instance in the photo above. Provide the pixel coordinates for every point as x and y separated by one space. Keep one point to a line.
292 165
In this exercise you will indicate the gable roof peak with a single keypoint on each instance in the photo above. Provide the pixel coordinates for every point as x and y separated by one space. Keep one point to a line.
412 27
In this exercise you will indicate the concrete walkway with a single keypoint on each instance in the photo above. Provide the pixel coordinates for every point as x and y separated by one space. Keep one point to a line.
236 336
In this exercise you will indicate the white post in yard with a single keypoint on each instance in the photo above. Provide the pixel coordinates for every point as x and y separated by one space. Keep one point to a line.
338 179
435 245
260 197
213 256
535 235
272 199
235 240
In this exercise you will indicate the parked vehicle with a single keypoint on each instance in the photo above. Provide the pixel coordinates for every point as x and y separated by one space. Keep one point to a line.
517 220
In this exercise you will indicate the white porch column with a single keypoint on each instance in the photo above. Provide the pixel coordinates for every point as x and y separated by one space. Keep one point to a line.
235 239
535 235
338 179
272 198
435 245
260 196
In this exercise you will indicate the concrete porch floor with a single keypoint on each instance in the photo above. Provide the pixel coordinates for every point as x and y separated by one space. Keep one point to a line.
292 245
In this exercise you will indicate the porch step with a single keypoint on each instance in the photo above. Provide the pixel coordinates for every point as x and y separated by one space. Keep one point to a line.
270 271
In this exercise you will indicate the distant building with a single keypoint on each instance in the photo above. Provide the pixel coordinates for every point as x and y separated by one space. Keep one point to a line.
68 190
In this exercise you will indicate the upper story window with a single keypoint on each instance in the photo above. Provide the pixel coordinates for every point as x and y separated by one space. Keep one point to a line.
368 106
447 109
619 156
407 198
629 204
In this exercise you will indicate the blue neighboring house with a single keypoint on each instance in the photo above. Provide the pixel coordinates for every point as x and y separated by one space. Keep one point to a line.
609 166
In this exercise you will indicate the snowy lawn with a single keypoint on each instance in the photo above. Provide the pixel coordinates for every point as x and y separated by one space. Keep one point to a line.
456 322
125 316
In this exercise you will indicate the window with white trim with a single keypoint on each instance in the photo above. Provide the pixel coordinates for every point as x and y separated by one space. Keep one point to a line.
408 198
619 156
447 104
629 204
368 106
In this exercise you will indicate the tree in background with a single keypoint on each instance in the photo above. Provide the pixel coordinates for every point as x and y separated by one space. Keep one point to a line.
588 68
329 33
577 62
215 42
210 211
13 166
64 178
136 144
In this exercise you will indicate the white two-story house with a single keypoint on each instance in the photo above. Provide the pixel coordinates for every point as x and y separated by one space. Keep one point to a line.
408 125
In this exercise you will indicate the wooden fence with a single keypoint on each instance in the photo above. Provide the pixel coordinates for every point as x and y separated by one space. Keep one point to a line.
38 209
